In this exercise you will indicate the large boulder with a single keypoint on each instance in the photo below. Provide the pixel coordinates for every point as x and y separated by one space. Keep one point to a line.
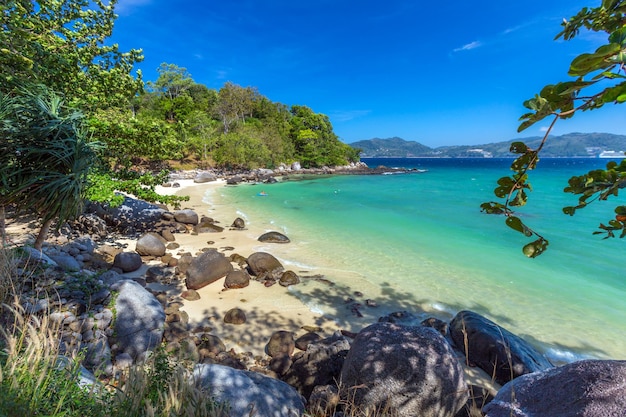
207 268
127 261
202 177
273 237
249 393
265 266
186 216
150 244
494 349
589 388
320 365
139 319
408 370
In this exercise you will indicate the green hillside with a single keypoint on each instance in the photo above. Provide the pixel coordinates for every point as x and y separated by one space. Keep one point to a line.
570 145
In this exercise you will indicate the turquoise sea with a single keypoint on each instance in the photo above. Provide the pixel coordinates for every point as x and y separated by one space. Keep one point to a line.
418 242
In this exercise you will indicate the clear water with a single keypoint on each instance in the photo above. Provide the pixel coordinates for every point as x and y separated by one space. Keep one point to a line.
419 242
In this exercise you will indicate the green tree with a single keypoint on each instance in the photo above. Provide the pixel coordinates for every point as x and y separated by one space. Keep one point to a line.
61 44
599 78
172 89
234 103
45 160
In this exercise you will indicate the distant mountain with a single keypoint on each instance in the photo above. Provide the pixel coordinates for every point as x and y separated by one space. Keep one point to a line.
391 147
570 145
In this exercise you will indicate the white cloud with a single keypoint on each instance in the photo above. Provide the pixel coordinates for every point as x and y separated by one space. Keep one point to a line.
469 46
544 129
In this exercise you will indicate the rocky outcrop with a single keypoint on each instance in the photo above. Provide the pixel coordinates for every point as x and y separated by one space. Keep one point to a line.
207 268
493 348
408 370
249 393
589 388
131 216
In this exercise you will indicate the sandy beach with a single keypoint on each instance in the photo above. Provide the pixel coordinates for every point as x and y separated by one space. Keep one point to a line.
267 309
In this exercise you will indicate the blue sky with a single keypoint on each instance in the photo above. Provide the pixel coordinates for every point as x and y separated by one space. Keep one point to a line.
440 73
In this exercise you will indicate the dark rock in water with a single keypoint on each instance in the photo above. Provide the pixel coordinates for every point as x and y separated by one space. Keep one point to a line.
289 278
494 349
127 261
588 388
265 266
207 268
412 370
238 223
320 364
271 180
186 216
203 177
235 316
280 343
150 244
273 237
237 279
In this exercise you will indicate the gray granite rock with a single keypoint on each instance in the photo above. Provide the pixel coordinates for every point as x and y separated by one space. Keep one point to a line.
249 393
410 369
140 319
589 388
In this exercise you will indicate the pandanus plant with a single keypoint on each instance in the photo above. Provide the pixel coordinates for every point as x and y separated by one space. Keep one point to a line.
45 158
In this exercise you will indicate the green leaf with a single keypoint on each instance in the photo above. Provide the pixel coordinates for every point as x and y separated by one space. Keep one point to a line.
516 224
518 147
618 37
536 248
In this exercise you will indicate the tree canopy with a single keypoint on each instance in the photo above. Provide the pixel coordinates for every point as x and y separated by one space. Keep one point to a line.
599 79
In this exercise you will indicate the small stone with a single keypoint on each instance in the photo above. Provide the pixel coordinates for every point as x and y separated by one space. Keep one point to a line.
190 295
235 316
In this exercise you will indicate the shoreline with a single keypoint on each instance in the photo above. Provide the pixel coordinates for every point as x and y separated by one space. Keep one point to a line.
274 308
267 309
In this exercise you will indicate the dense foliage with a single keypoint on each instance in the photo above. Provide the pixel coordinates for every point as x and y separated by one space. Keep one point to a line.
599 79
177 119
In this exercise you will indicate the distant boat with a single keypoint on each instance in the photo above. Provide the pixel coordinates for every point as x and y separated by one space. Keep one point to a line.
262 194
612 154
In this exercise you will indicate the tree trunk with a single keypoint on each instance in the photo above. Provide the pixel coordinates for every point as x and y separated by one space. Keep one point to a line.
43 233
3 233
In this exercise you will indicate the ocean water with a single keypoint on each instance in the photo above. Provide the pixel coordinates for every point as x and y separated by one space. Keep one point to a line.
419 243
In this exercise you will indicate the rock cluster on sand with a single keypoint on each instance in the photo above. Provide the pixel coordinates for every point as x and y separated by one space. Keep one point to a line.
407 368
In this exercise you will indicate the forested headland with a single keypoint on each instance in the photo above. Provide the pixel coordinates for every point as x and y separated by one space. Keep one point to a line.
59 52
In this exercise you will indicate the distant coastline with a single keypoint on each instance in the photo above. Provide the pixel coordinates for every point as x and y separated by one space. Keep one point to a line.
572 145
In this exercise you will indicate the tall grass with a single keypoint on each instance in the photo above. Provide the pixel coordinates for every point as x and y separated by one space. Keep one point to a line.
36 381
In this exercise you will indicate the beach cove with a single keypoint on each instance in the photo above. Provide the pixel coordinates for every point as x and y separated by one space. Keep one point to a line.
444 275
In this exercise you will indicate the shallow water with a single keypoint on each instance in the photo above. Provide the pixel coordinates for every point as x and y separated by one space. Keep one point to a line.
419 242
